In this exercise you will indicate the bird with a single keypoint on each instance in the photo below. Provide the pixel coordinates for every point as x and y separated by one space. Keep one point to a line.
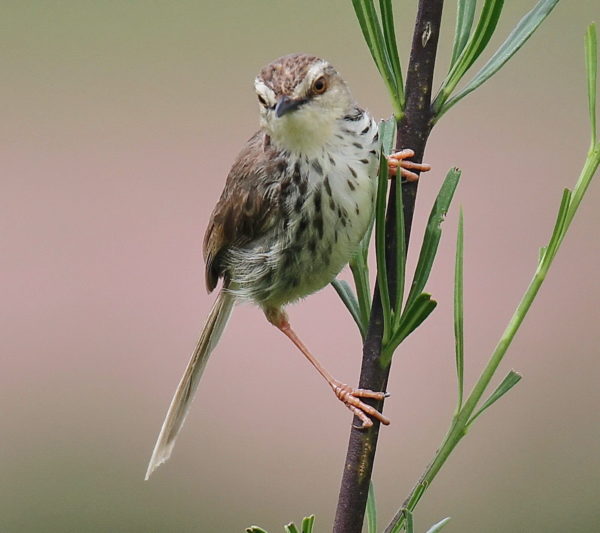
296 204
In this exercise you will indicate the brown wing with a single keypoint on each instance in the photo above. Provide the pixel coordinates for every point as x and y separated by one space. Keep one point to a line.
244 211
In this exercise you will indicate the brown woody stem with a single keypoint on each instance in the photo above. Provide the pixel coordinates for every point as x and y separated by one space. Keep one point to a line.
413 131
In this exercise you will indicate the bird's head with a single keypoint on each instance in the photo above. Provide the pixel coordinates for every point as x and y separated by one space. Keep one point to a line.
301 97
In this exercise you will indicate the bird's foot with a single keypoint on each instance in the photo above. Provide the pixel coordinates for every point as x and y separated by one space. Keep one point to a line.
397 161
352 400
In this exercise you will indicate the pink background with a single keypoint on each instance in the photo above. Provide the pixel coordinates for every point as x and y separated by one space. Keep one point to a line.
119 122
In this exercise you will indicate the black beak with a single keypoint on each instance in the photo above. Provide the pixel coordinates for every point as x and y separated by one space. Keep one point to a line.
286 105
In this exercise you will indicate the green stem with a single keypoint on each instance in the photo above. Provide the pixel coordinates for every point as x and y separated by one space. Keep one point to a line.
462 419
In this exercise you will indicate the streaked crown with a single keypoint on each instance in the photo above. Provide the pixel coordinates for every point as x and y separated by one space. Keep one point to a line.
301 97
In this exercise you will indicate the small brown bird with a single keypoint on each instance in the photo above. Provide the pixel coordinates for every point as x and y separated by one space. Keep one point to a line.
296 204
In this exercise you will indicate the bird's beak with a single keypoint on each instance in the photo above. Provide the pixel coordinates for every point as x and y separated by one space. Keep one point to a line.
286 105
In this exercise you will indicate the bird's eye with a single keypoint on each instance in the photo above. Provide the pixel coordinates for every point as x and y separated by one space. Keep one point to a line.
319 85
262 100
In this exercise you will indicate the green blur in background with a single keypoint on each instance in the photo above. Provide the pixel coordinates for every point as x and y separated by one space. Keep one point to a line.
119 121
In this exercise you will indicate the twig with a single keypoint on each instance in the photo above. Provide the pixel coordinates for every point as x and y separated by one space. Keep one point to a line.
413 131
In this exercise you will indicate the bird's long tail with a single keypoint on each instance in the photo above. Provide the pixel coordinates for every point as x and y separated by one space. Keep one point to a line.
180 404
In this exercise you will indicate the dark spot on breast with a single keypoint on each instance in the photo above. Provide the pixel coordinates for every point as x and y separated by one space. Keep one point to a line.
331 160
376 137
297 176
282 165
335 236
364 161
317 199
318 224
343 220
302 225
327 186
298 204
341 137
317 166
331 204
303 187
351 185
357 209
352 171
357 145
366 129
372 152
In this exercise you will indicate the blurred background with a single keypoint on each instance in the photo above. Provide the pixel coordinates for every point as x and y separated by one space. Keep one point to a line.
119 123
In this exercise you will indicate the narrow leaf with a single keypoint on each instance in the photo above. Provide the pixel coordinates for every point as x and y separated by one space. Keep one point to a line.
591 68
255 529
291 528
371 29
433 234
382 276
560 228
389 37
459 310
400 254
438 527
511 379
347 296
308 523
386 132
465 14
371 510
522 31
411 319
488 20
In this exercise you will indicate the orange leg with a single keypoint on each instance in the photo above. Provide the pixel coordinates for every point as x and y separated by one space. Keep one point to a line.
346 394
397 161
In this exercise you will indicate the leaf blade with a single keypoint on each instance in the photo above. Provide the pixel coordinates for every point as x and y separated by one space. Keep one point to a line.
515 40
459 337
511 379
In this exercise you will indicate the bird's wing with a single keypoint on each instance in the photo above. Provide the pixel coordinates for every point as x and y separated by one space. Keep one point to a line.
244 211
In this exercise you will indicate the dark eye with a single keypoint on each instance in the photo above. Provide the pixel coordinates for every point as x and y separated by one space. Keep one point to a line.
319 85
262 100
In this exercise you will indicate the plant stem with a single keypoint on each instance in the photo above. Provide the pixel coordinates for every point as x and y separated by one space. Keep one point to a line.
464 417
413 131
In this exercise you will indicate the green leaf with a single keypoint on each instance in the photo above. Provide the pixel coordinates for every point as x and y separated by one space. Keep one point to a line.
400 253
387 135
511 379
522 31
347 296
371 510
308 523
389 37
255 529
438 527
372 32
591 68
560 228
360 273
488 20
433 234
465 14
291 528
411 319
459 338
386 132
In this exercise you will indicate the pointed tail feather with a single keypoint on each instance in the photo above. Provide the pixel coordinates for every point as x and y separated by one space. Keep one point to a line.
180 404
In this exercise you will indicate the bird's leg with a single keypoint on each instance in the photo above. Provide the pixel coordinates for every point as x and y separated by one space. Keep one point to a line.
348 395
397 161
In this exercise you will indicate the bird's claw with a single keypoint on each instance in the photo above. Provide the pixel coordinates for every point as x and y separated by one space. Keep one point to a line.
397 160
351 399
